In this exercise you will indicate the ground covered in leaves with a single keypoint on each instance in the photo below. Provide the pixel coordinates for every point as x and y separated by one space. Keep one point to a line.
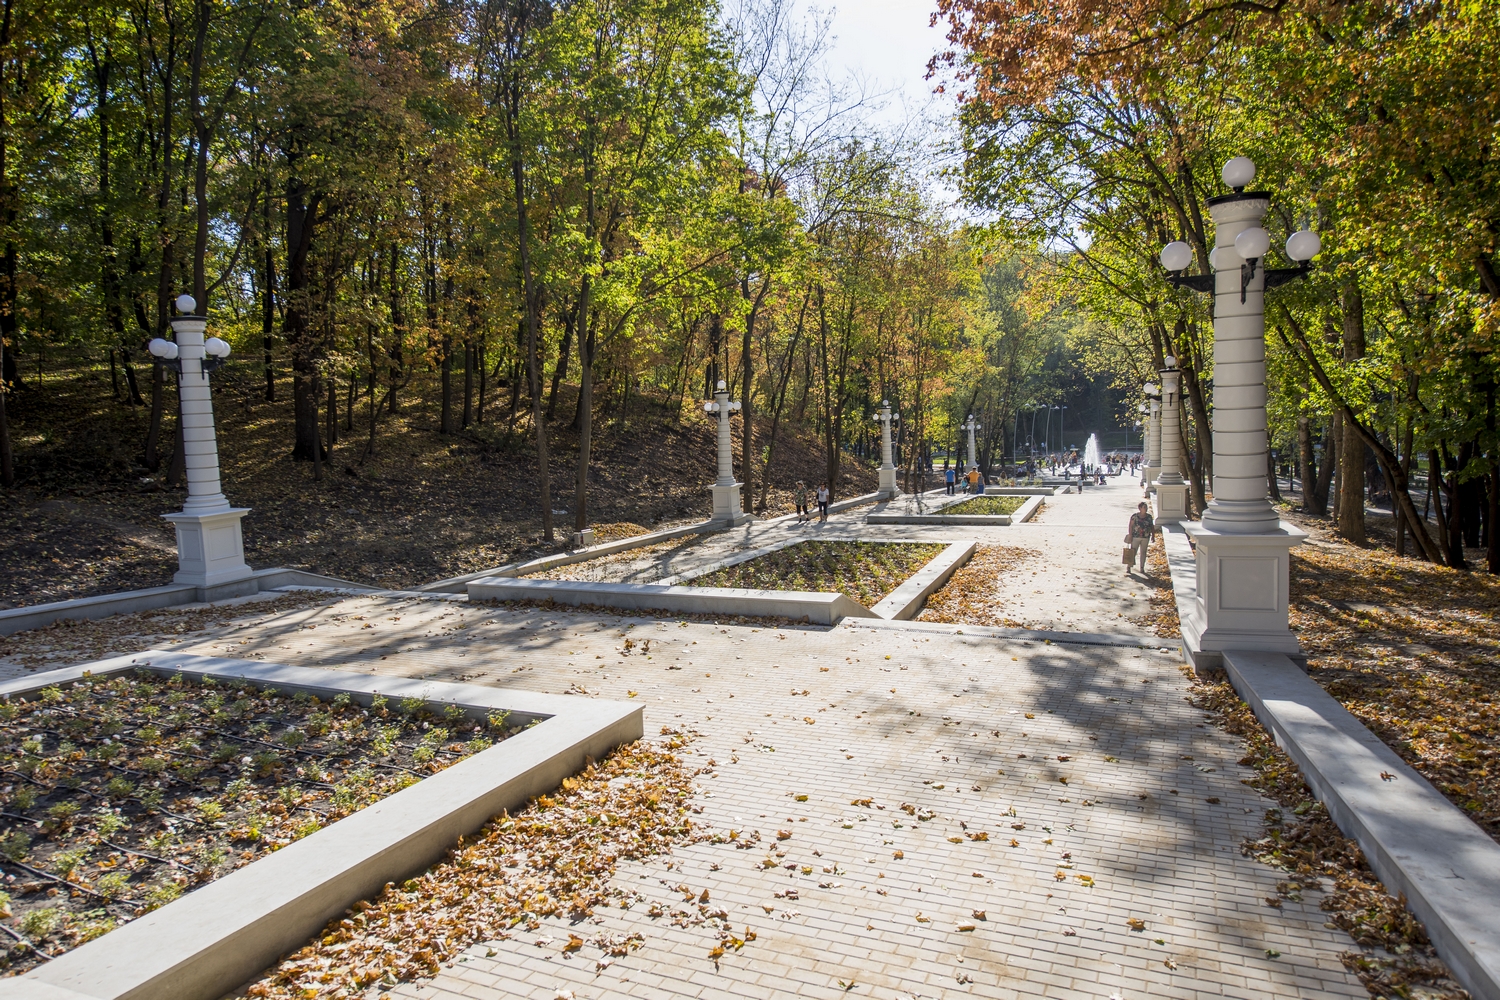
123 792
864 571
85 516
616 566
987 506
1413 651
971 597
555 858
1162 618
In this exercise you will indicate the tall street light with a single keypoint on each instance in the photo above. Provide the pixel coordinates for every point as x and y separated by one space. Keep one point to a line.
1170 489
1243 547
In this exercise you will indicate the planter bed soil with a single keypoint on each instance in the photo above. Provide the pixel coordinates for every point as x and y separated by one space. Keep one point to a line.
986 506
863 571
119 794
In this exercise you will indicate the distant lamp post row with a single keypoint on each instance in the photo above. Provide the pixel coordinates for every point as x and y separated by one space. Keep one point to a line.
1242 545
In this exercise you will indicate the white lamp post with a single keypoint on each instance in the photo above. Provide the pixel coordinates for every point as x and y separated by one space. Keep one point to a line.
1153 437
1170 489
888 488
971 425
725 490
210 546
1243 547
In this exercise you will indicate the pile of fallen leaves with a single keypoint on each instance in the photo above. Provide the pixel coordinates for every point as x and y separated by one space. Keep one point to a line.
864 571
987 505
120 793
1301 839
73 641
1411 650
971 596
556 858
1162 619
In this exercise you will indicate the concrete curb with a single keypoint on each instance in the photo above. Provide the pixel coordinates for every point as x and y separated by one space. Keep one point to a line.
1020 491
1417 842
821 608
1023 513
13 620
213 939
1014 634
456 584
906 601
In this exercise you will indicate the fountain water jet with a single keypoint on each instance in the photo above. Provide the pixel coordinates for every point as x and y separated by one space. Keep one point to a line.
1091 453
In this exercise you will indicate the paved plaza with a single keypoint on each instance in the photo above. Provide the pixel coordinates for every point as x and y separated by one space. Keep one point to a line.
967 815
1067 793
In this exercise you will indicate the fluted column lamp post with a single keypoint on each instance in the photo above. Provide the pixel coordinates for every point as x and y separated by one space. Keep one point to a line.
1153 437
971 425
725 490
1170 488
888 488
210 546
1243 547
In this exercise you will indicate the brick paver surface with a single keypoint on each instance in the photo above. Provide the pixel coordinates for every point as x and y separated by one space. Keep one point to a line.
1079 764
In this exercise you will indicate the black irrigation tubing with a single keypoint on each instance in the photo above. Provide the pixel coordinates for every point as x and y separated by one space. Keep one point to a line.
123 900
152 857
23 939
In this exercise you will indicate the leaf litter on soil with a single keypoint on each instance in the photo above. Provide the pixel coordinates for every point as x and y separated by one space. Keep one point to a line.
971 596
864 571
121 793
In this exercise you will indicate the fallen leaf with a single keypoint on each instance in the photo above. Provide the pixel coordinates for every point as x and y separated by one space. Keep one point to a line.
898 855
965 927
1087 881
978 914
1169 963
1136 924
574 943
1030 716
923 920
783 835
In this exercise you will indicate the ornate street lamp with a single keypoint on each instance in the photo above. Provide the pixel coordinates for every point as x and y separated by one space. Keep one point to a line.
1170 489
1242 544
888 488
725 490
210 544
971 425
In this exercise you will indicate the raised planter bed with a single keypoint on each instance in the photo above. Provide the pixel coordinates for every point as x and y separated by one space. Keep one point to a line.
209 941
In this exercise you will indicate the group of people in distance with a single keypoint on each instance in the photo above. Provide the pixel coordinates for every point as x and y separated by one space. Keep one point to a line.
820 496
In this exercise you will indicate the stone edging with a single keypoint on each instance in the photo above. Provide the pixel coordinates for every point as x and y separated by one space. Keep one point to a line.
213 939
1023 513
819 608
1418 843
1015 634
907 600
14 620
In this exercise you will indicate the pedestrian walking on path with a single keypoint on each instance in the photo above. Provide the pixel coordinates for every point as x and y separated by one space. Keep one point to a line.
1142 527
974 478
822 501
800 495
951 475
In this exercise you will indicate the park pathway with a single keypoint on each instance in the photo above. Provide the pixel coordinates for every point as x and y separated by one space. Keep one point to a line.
1112 811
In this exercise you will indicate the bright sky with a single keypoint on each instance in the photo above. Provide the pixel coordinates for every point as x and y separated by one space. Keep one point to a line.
887 43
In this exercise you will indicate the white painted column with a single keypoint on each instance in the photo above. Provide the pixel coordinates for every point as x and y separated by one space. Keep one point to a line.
1153 442
971 425
210 543
1170 489
1243 548
726 492
888 488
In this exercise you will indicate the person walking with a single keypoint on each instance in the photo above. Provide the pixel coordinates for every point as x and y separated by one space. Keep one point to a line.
1138 537
800 495
951 476
974 478
822 501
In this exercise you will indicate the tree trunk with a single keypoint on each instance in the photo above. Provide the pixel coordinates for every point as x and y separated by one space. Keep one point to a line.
268 300
560 370
1351 502
301 218
1273 487
1307 467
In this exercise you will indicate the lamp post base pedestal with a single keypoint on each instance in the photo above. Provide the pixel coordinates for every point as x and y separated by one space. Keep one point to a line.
1241 603
1148 476
210 547
728 510
888 490
1171 502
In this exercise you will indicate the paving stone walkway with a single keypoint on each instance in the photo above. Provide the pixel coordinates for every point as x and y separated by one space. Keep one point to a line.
1102 796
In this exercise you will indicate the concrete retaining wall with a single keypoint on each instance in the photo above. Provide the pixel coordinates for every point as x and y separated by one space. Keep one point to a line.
1024 513
823 609
215 938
